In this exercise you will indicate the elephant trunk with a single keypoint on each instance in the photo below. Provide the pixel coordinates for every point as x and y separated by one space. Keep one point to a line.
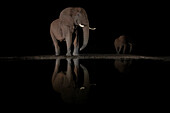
85 37
86 76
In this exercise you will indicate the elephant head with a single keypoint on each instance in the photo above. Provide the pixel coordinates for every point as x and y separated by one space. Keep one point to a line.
69 19
122 44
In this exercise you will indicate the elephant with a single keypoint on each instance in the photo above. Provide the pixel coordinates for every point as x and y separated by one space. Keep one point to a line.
68 83
122 65
66 26
122 42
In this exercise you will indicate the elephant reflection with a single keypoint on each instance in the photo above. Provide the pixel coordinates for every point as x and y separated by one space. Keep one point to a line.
66 26
67 83
122 65
122 45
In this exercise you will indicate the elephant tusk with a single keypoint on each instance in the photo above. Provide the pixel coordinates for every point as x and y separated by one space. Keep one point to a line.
81 25
92 28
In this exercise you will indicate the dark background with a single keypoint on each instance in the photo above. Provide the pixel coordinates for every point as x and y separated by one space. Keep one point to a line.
25 31
25 26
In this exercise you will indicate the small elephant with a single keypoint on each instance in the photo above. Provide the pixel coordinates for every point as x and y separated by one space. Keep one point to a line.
66 26
122 65
122 45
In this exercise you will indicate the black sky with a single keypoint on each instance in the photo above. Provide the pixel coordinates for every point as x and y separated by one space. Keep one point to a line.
25 26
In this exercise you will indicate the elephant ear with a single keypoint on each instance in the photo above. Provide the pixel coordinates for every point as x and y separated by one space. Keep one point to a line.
66 20
83 12
66 16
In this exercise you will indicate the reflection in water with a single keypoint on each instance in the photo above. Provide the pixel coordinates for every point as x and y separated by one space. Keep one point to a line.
69 83
146 83
123 65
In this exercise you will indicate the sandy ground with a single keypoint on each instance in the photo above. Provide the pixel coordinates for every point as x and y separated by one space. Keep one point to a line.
88 56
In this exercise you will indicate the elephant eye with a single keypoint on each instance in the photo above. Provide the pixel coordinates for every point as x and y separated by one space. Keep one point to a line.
78 14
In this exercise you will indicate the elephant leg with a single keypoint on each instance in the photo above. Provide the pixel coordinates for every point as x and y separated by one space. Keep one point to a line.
119 49
124 48
56 69
57 64
76 45
55 42
130 47
68 43
69 70
116 47
76 67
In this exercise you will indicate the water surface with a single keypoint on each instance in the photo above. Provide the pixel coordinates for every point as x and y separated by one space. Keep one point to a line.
73 81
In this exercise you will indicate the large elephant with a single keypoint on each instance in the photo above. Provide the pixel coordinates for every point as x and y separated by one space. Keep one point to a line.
66 26
122 45
69 83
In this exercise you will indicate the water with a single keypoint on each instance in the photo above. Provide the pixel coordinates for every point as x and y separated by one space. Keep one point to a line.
84 82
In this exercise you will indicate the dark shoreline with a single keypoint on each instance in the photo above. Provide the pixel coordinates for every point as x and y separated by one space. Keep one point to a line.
87 56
